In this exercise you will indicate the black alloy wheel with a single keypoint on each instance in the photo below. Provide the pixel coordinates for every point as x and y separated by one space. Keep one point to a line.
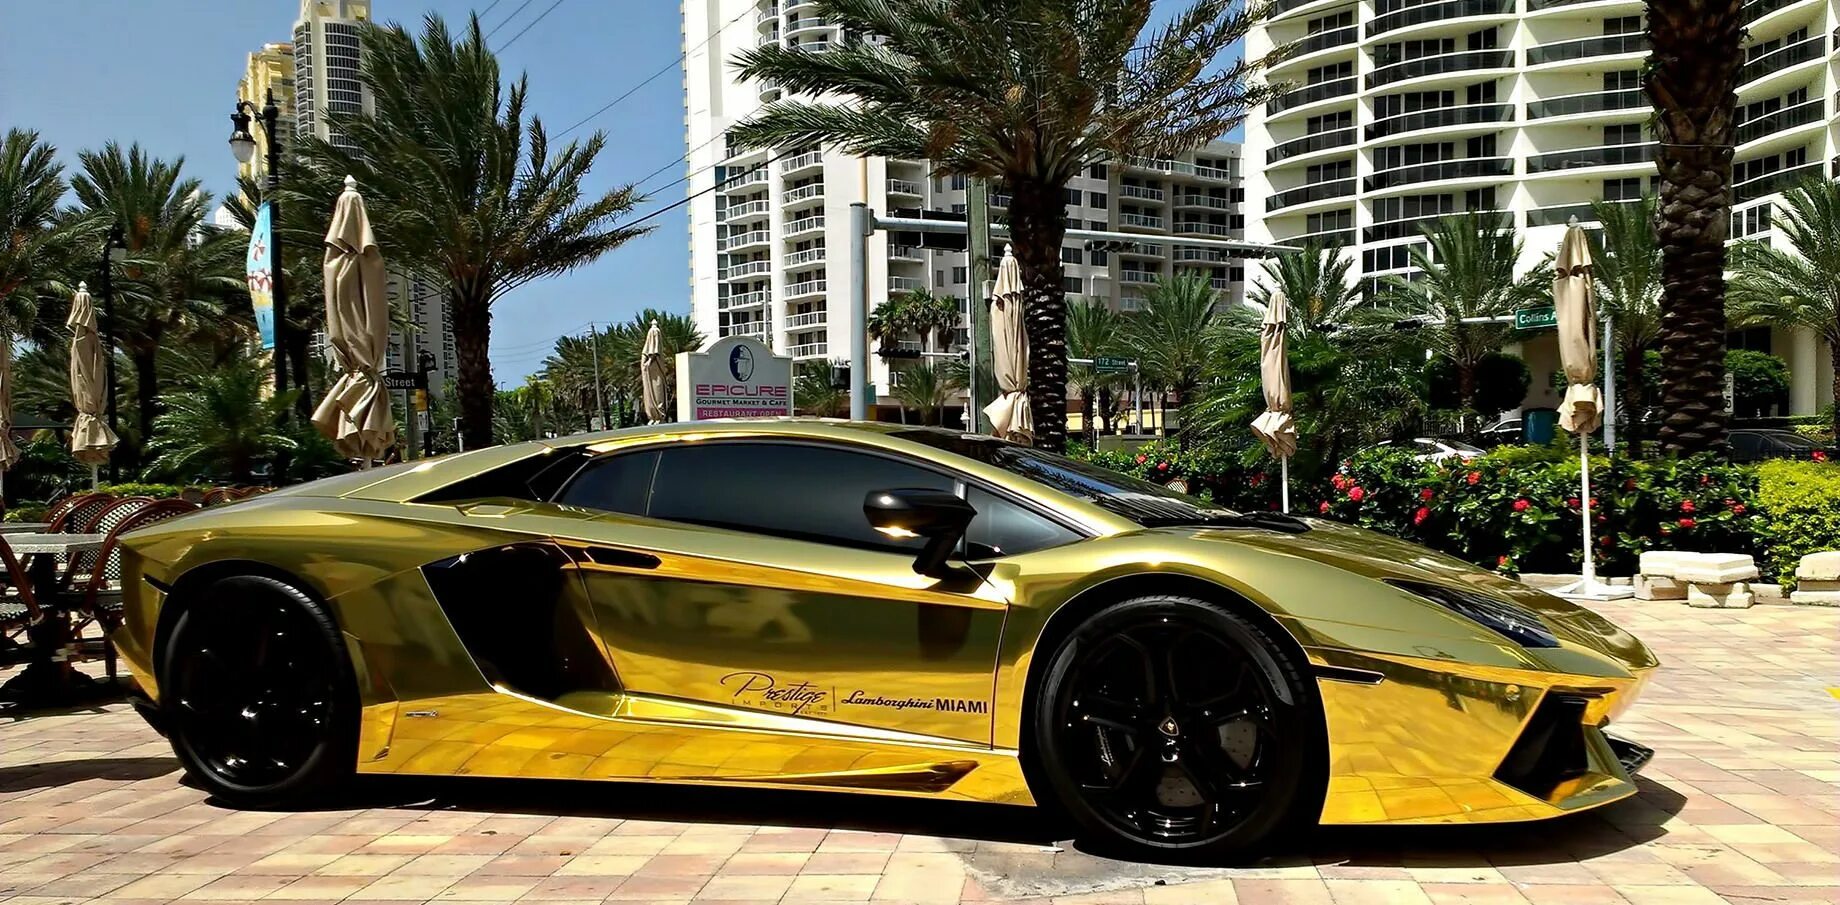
1171 726
259 692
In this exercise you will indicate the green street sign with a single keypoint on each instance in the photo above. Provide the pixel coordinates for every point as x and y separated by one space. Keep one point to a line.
1104 364
1535 318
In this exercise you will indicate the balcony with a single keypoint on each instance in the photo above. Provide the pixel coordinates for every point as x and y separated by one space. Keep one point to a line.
1440 118
1221 283
1200 255
805 161
764 16
1589 102
1310 94
804 225
1141 221
806 288
1439 64
803 193
749 179
743 300
1320 191
1413 227
1782 58
747 269
1138 276
1535 6
1771 183
809 350
1437 12
1585 158
904 253
1584 48
805 258
1165 165
742 240
1141 192
1561 214
1309 144
1325 40
1328 238
1280 7
819 45
1142 250
757 329
903 187
1199 199
1440 170
1757 9
1771 123
905 284
1201 228
808 319
745 211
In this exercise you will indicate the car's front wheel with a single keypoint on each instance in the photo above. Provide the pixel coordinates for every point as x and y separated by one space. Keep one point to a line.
259 693
1171 727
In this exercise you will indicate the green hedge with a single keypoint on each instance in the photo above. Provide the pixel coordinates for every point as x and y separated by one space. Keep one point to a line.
1517 509
157 491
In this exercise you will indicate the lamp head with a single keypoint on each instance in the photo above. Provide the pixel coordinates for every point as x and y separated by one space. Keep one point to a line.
242 144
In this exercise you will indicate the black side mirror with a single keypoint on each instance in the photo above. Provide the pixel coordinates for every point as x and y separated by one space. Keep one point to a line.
937 515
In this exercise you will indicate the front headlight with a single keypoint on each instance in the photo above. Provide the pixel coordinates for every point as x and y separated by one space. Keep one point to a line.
1509 620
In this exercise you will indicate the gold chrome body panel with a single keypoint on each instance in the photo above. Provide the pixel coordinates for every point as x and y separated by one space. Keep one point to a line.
749 660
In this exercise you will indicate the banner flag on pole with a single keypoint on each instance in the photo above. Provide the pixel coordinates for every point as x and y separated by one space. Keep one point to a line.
261 273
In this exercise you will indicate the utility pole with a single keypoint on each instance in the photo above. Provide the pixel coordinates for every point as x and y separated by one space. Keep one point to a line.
411 428
599 421
977 248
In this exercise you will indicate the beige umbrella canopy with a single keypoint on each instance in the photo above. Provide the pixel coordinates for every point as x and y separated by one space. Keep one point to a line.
651 373
91 441
1009 346
1275 428
1583 408
355 415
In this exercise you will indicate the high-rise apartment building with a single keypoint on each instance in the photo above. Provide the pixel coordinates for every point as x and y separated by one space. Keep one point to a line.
769 247
270 69
1403 111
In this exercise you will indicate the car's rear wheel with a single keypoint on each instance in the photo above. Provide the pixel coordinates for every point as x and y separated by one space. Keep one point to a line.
1172 727
259 693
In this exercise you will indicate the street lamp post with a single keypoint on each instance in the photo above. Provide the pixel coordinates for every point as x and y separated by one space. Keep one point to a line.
243 145
113 249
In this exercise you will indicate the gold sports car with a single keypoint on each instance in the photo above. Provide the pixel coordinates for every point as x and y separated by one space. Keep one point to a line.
870 608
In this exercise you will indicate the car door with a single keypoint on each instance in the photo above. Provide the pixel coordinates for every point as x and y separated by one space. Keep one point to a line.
743 574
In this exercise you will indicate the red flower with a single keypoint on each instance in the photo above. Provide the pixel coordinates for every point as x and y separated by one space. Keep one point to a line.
1141 459
1258 478
1324 508
1340 482
1686 506
1521 505
1357 494
1604 541
1594 502
1162 466
1629 484
1729 502
1571 503
1501 562
1687 523
1474 476
1705 479
1737 509
1418 518
1426 494
1819 455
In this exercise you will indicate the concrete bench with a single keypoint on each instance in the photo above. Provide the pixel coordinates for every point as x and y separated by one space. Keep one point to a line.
1817 579
1700 579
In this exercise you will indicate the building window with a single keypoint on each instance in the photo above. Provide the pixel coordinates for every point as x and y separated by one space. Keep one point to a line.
1627 134
1098 257
1070 255
961 274
1623 189
1098 226
1096 199
1096 171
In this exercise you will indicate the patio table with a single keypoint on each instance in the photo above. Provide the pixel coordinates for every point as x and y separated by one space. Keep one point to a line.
50 680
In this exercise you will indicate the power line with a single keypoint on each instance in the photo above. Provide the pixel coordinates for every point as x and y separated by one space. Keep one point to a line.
514 14
695 195
483 13
654 76
533 24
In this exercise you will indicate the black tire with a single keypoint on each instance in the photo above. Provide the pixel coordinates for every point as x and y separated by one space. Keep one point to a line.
1171 728
258 694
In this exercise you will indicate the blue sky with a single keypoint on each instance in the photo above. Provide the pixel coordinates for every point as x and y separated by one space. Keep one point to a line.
164 73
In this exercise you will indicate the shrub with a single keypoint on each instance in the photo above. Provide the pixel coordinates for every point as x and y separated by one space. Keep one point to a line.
1801 513
130 488
26 511
1212 471
1758 380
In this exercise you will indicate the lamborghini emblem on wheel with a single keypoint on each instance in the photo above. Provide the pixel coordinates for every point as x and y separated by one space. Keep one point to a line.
870 608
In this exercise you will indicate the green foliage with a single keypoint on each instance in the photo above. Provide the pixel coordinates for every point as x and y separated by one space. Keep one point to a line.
1501 383
1210 470
1758 380
1801 513
27 511
128 488
221 424
813 393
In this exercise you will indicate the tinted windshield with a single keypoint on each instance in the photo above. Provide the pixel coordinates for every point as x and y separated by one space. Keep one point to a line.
1147 504
1792 440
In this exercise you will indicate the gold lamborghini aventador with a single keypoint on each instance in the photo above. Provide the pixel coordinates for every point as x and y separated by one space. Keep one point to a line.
872 608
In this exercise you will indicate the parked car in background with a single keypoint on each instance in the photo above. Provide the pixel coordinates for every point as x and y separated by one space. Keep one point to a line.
1436 449
1757 444
1511 429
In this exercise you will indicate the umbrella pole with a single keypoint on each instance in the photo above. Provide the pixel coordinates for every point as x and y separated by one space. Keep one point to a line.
1284 481
1587 585
94 471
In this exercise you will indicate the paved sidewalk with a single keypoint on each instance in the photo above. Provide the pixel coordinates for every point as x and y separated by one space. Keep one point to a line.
1741 804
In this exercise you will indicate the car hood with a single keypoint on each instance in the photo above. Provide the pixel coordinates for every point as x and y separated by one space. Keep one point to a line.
1382 557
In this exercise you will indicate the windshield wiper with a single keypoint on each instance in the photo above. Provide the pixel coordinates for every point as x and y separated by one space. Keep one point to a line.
1270 521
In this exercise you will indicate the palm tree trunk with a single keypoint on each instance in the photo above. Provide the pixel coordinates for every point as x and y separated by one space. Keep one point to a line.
1037 224
146 389
299 344
1087 426
472 340
1693 80
1466 387
1633 391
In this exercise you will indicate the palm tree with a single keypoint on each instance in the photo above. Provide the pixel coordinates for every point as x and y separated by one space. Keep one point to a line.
221 423
1093 331
1466 271
931 316
571 371
925 387
1799 289
36 240
1316 287
626 343
1628 271
1698 50
814 394
1026 93
465 186
177 271
1173 331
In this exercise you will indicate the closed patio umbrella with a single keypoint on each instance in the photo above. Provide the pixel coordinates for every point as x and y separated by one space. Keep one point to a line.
355 415
1582 409
651 373
1275 428
1009 347
91 441
9 453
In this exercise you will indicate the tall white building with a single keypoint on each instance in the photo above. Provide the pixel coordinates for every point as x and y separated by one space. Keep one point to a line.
328 40
769 250
1405 111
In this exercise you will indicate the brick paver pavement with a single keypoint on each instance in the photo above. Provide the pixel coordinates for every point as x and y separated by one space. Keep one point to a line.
1742 804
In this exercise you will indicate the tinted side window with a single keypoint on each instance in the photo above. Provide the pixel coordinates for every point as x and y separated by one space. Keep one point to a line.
803 492
1743 441
616 483
1003 528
